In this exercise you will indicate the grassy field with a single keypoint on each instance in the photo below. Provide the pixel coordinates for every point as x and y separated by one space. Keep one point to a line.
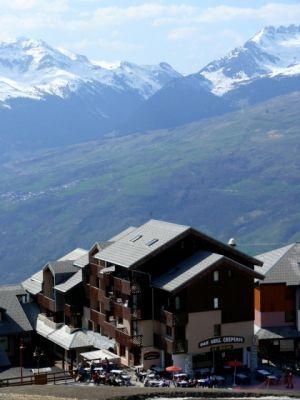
236 175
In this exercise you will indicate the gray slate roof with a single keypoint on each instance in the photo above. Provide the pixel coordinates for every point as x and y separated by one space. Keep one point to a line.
78 339
193 266
69 284
281 332
15 319
33 284
62 267
122 234
74 255
126 252
282 265
185 271
82 261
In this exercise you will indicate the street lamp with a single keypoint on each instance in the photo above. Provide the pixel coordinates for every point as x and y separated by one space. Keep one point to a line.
37 354
21 347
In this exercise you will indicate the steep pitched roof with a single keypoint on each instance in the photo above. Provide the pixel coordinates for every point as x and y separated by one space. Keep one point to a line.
62 267
141 242
194 266
282 265
15 319
74 255
70 283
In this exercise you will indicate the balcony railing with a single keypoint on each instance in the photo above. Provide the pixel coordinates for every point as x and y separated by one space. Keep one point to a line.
124 339
174 319
94 293
71 309
122 286
46 302
106 301
97 317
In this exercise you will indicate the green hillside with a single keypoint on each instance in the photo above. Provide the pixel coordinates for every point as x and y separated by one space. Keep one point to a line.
236 175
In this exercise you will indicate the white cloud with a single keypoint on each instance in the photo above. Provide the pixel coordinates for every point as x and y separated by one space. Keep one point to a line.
45 6
183 33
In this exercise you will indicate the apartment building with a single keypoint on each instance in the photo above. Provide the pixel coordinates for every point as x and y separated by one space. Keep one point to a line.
277 303
168 294
160 293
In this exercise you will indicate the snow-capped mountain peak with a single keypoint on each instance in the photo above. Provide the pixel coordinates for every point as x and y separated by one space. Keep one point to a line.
35 69
272 51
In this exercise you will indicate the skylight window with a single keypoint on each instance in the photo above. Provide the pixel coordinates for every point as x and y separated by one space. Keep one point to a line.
152 242
135 238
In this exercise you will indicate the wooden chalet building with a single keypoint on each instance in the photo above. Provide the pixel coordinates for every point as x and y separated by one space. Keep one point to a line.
168 294
277 304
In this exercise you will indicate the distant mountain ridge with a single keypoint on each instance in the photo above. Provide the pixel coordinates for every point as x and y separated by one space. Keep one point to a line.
33 69
52 97
271 52
268 65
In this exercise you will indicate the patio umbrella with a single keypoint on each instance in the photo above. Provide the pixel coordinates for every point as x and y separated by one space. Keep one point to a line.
173 368
234 363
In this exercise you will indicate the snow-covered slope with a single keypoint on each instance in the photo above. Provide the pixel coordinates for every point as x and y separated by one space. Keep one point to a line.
33 69
271 52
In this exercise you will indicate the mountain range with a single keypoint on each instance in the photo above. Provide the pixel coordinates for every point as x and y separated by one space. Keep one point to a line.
51 97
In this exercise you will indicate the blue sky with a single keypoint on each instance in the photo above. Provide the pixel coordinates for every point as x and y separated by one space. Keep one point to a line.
187 34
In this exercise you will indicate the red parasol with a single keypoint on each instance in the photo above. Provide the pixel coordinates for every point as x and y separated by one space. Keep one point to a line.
173 368
234 363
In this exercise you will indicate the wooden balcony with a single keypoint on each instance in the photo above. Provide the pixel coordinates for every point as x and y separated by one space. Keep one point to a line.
71 310
174 319
94 293
174 346
124 339
122 286
97 317
94 269
106 301
108 329
104 280
46 302
125 312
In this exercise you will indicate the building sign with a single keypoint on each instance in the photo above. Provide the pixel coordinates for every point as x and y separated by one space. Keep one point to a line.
151 355
222 340
221 348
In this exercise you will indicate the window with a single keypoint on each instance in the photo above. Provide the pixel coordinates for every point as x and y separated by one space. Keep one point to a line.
229 273
216 276
216 302
152 242
135 238
217 330
177 303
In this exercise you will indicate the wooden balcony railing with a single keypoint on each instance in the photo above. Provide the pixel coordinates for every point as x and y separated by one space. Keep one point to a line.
94 293
106 301
94 269
108 329
71 309
46 302
174 319
122 286
123 338
97 317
